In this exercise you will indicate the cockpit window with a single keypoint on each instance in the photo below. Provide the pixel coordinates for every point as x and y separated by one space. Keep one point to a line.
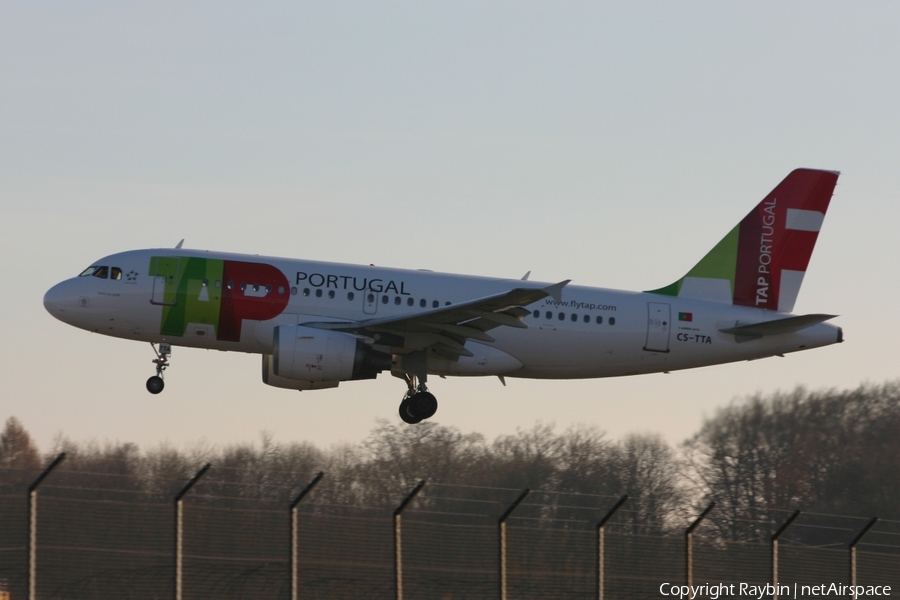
116 273
101 272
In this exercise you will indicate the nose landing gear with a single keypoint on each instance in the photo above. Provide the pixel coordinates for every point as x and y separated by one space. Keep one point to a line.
156 384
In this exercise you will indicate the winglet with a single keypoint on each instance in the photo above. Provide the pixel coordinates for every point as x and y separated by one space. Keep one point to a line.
526 276
179 244
555 290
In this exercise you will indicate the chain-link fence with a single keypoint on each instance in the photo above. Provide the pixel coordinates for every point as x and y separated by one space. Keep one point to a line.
116 535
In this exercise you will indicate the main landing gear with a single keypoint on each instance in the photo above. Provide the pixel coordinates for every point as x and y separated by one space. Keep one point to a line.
156 384
418 404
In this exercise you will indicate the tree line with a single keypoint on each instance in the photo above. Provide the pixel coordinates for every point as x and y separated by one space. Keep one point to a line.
830 451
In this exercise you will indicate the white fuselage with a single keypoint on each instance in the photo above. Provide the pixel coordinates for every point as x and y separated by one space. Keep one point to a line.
590 332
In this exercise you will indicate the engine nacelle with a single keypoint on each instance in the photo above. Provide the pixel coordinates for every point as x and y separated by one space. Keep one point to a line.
270 378
304 358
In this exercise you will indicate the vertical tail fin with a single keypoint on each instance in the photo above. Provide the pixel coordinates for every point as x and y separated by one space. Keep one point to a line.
761 262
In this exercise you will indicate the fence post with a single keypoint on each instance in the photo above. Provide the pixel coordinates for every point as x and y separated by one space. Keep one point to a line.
689 544
179 530
853 545
398 542
294 531
775 537
502 524
601 546
32 525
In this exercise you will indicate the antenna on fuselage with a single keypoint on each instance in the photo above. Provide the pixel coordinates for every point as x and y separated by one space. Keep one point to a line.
178 245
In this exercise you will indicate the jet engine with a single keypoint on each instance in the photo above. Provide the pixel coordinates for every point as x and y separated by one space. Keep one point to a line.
304 358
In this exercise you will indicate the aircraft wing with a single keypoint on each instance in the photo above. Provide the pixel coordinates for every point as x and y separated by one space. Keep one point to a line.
448 328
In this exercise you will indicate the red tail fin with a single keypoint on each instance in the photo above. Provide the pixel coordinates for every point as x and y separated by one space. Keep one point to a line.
777 239
761 262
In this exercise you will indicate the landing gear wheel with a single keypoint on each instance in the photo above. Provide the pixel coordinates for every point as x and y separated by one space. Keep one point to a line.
418 404
155 384
405 414
422 405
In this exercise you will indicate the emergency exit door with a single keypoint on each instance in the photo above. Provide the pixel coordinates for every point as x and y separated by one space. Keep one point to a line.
659 324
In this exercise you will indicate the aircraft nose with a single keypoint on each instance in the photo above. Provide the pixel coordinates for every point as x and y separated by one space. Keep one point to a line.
58 301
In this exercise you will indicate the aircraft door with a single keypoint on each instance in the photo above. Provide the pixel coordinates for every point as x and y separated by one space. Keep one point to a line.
370 302
164 270
659 324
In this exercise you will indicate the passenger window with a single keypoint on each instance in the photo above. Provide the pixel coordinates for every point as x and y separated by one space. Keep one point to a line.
230 285
562 316
116 273
587 318
446 304
218 283
612 320
549 315
306 291
536 314
370 298
410 301
269 289
293 291
319 293
599 320
423 302
397 300
574 317
102 272
349 295
255 287
280 289
204 283
331 294
243 287
384 299
435 304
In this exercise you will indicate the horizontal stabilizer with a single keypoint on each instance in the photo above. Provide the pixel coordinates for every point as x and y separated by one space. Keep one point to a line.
776 327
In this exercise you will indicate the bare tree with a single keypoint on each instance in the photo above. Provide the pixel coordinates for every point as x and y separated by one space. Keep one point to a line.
527 459
586 463
17 451
829 451
396 457
649 472
20 461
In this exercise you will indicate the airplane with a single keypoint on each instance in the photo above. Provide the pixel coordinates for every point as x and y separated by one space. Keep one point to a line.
317 324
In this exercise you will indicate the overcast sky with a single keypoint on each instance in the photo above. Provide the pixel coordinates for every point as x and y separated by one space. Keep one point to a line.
613 145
